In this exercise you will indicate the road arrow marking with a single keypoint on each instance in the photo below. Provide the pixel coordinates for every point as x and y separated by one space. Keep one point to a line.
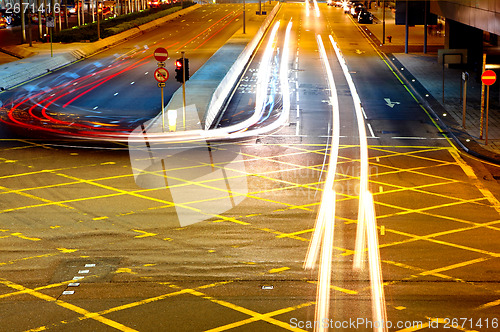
391 103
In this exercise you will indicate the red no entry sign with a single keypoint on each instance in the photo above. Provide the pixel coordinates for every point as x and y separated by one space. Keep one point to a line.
161 54
488 77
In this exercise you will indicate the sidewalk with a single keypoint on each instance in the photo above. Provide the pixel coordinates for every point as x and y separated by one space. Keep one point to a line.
424 76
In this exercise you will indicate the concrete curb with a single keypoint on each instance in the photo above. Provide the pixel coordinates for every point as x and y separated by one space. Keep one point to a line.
25 72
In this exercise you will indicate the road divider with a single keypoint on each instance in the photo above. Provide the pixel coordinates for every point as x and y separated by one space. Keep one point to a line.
223 91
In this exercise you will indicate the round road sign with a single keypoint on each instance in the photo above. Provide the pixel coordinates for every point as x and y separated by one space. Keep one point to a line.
161 54
488 77
161 75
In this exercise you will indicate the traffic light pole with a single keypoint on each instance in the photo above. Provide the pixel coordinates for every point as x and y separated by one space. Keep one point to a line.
183 91
162 110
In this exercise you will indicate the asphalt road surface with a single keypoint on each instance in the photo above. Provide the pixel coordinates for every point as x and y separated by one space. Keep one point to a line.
92 239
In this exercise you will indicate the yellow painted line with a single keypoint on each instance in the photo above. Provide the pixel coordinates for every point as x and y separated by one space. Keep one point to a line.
215 284
21 236
27 258
100 218
253 319
278 270
415 328
447 321
339 289
160 297
424 209
225 191
255 316
488 305
21 193
268 230
124 270
143 234
66 251
484 252
449 244
470 173
136 194
455 266
296 233
66 305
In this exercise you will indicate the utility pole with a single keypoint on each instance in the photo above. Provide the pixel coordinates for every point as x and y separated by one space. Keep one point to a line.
183 91
98 25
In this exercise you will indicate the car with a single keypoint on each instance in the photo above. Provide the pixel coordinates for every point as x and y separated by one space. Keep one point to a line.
347 8
355 10
365 17
329 2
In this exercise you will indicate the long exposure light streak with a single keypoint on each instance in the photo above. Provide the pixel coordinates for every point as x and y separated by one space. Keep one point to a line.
263 76
313 250
285 62
366 212
316 8
363 151
324 229
379 313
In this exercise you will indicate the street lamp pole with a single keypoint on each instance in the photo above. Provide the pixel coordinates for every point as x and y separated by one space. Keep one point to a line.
98 23
383 22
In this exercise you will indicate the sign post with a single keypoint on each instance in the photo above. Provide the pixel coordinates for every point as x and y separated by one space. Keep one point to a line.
465 78
161 75
50 24
488 78
183 91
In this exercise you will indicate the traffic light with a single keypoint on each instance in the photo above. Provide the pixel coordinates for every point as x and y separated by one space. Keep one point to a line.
179 69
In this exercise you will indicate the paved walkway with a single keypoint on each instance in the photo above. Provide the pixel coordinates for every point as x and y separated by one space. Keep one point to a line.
425 75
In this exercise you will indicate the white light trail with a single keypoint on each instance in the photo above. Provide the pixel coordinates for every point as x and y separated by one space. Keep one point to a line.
307 8
316 8
363 147
263 76
325 222
379 313
366 212
285 62
325 267
313 250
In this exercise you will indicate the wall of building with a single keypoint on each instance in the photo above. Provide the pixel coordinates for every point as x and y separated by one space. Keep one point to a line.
481 14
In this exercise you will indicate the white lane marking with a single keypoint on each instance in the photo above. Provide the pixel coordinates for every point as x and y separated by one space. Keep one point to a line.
371 131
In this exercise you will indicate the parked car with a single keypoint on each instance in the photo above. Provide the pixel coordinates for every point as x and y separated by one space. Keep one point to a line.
365 17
